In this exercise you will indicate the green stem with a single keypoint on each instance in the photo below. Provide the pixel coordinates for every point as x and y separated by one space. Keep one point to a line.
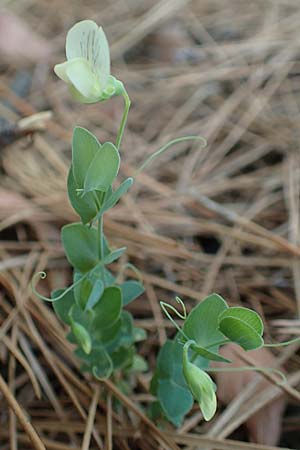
100 229
124 118
224 341
165 147
283 344
100 238
252 368
164 307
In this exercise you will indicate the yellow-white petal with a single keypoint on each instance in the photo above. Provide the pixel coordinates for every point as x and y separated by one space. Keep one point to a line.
60 70
86 40
79 75
79 39
83 78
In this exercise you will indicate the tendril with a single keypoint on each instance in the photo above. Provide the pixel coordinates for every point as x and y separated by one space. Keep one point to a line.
41 276
136 271
283 344
256 369
165 147
165 306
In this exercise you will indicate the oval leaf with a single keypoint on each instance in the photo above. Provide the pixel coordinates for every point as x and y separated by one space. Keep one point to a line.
246 315
176 401
62 307
115 254
85 206
80 244
131 290
95 295
84 148
208 355
241 333
103 169
202 325
108 309
116 195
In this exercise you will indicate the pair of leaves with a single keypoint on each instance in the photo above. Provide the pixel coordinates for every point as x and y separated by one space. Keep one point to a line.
95 166
93 170
202 327
210 321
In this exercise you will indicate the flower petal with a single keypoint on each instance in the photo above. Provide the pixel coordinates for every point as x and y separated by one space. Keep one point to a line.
81 76
87 40
79 39
60 70
101 61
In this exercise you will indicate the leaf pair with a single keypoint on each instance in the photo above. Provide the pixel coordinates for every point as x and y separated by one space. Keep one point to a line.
210 321
208 326
95 166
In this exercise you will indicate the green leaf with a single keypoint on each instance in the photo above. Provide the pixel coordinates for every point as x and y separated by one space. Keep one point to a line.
82 290
115 254
98 362
115 196
246 315
202 325
80 244
242 326
95 295
84 318
175 400
62 307
85 206
103 169
139 364
131 290
122 358
139 334
85 146
209 355
169 355
108 309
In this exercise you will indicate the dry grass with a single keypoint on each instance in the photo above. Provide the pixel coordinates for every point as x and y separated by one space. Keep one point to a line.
222 219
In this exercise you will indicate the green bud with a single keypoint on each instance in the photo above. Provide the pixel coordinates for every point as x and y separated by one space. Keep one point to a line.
200 385
82 337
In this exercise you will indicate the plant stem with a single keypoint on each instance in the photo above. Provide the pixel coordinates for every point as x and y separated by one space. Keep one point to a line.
124 118
100 238
224 341
165 147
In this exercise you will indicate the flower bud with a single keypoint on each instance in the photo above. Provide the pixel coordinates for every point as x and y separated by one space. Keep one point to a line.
200 385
